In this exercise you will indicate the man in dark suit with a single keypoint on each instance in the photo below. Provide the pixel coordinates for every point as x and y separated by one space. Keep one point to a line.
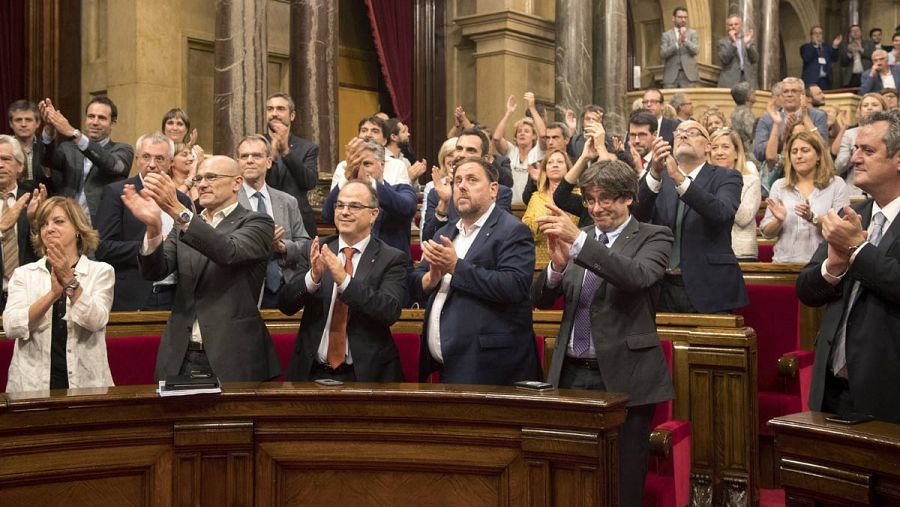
856 57
610 274
655 103
440 209
855 273
82 164
874 79
295 169
24 121
121 234
220 256
15 228
817 58
476 273
697 201
738 54
397 202
291 240
678 49
345 333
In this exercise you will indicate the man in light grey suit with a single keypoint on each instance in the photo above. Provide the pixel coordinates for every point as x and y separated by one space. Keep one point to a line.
678 50
255 158
610 275
220 256
738 55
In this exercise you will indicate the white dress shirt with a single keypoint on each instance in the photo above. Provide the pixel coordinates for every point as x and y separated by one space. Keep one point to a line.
461 243
86 321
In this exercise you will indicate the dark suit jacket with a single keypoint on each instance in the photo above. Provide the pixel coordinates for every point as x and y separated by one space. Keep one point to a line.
486 321
873 83
297 173
504 170
220 276
712 277
23 231
847 62
374 299
110 163
623 312
811 65
287 215
121 237
430 225
873 350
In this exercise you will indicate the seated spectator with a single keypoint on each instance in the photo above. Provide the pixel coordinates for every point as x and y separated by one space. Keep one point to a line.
726 150
526 150
843 167
742 118
890 97
713 119
445 161
59 305
796 202
184 168
881 75
554 166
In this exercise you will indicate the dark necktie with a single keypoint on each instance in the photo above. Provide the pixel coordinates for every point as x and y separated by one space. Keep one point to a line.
581 340
839 352
273 270
337 332
675 258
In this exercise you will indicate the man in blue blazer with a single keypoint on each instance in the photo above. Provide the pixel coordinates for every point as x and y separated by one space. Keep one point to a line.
817 59
792 92
873 79
697 201
476 274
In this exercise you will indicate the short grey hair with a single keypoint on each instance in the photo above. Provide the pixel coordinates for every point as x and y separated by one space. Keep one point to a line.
18 153
154 138
678 100
740 93
375 148
254 138
892 136
776 89
793 80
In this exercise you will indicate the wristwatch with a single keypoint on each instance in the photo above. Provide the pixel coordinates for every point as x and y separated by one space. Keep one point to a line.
76 134
184 217
814 220
71 287
854 248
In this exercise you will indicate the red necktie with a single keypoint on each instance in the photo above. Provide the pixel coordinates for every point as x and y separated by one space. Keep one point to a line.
337 332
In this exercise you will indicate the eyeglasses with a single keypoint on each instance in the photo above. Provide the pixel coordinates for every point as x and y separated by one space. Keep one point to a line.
791 91
252 156
647 102
688 133
212 177
147 158
602 200
352 207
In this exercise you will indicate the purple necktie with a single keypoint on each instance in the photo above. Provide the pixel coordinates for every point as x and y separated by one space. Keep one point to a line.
582 329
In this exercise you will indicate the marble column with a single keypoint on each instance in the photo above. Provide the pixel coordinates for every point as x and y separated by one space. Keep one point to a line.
574 56
768 38
314 76
239 86
611 62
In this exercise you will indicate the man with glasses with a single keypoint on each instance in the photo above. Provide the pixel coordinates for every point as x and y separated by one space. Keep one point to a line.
220 257
291 240
881 75
697 201
609 273
817 58
678 49
655 103
121 233
792 92
366 162
351 292
738 54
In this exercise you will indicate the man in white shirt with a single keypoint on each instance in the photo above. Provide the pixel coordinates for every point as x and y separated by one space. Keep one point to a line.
881 75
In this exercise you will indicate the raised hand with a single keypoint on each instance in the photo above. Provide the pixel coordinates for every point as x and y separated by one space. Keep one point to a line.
441 255
37 197
557 224
443 189
417 169
534 171
511 104
279 133
529 99
571 121
777 208
748 37
334 265
11 215
143 207
837 40
162 188
316 264
559 253
772 109
589 152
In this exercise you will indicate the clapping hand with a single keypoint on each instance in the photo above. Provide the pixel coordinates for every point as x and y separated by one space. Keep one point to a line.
511 104
804 211
440 255
277 242
144 208
777 208
334 265
571 121
37 197
11 216
442 188
558 225
316 265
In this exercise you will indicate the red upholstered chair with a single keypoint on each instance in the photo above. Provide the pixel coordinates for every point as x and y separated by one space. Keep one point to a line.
668 477
132 359
784 372
6 353
766 251
415 251
284 346
408 345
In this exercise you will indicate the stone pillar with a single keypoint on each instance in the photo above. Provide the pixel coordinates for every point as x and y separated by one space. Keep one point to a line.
574 56
314 76
611 63
239 87
768 37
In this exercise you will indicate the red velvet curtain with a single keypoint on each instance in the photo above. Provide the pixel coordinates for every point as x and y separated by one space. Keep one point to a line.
392 29
12 55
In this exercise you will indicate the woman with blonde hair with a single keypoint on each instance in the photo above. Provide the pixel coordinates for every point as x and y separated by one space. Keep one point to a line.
868 104
445 165
553 168
184 168
807 191
713 119
58 306
526 148
726 150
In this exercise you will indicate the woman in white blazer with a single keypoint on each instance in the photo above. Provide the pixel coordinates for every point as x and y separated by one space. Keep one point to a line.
58 306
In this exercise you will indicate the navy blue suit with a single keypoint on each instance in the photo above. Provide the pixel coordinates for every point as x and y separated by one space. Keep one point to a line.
486 324
430 225
712 277
812 68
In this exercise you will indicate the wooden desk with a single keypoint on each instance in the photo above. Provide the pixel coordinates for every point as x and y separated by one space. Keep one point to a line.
837 464
302 444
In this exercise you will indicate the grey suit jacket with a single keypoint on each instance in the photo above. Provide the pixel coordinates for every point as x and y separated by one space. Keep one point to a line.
286 211
623 312
730 74
675 57
220 276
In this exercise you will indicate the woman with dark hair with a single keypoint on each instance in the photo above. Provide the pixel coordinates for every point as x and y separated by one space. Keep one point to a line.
176 125
58 306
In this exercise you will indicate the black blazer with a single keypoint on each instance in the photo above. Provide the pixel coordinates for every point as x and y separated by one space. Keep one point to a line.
121 237
374 299
873 350
297 173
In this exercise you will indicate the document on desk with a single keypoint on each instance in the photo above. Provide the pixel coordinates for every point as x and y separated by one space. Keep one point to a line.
178 386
